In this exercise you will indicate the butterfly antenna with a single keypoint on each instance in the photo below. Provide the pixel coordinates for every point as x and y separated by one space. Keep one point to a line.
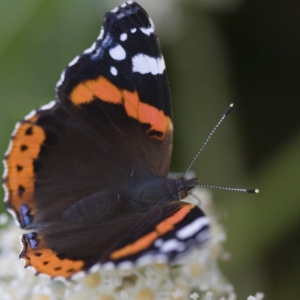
254 191
227 111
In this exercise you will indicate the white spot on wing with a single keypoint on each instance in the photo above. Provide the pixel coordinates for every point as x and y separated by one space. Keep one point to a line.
192 228
129 2
61 79
147 31
30 115
133 30
17 127
113 71
9 146
158 243
91 49
74 61
202 236
123 37
48 106
125 265
6 193
149 259
117 53
144 64
94 268
144 260
115 9
172 245
124 5
101 33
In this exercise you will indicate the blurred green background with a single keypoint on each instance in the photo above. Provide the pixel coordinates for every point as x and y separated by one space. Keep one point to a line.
217 52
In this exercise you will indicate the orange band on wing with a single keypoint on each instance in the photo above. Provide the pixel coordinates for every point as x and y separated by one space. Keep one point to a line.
46 261
103 89
145 241
141 243
169 223
100 87
25 148
145 113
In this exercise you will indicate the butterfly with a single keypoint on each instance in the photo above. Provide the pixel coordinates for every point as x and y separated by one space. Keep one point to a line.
86 174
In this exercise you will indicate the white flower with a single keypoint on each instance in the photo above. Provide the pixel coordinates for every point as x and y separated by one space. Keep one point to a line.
258 296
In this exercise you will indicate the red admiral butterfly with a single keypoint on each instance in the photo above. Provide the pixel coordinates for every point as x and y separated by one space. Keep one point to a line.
87 173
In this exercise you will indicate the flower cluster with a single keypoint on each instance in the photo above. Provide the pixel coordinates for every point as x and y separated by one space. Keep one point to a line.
196 276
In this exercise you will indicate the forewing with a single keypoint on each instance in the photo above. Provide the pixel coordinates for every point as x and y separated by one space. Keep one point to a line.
110 127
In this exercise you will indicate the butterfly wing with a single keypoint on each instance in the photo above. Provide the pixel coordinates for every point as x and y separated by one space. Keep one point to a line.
111 125
158 236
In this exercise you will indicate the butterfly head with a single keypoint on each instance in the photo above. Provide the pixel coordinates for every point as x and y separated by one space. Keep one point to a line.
179 187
